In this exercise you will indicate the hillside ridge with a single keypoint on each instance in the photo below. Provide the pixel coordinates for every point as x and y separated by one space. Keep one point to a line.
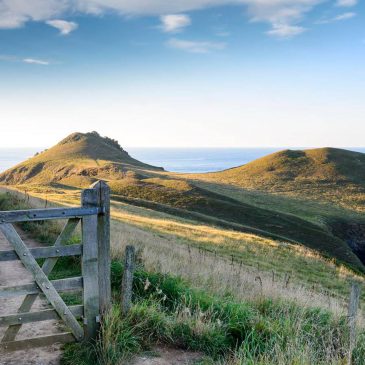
324 174
77 160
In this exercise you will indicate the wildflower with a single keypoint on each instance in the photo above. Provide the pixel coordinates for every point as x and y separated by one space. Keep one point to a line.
147 284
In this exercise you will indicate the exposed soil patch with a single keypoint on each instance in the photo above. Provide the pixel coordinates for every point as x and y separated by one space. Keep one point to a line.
11 274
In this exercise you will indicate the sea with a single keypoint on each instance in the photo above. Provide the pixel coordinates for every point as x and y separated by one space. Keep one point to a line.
171 159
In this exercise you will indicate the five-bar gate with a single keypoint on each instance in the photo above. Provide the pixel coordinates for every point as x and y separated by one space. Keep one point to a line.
81 321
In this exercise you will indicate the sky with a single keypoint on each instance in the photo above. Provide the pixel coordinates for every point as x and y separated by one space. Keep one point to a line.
189 73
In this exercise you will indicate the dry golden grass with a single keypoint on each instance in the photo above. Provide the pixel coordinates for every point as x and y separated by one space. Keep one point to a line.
203 255
214 273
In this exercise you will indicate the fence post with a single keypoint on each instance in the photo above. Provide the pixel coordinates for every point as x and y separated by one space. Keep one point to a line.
90 271
103 194
352 314
127 281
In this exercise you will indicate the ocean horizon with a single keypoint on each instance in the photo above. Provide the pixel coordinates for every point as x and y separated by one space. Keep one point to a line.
194 160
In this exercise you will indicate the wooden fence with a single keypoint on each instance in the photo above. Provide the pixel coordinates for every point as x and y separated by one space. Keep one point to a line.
81 321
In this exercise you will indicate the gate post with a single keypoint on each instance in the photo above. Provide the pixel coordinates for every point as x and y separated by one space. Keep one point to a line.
103 197
90 271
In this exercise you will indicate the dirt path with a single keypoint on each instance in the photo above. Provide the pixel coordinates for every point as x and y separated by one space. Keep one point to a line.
13 273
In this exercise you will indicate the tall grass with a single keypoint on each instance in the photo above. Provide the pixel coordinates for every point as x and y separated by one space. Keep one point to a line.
168 311
226 327
203 255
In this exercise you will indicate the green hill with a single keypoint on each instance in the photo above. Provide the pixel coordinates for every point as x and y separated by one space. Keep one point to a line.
78 160
186 200
327 174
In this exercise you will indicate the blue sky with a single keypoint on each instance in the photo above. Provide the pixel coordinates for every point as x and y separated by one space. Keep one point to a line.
238 73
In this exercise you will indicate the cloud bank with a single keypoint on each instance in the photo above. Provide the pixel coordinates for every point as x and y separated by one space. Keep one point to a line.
282 15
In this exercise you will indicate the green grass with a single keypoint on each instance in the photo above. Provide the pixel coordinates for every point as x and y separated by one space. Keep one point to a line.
45 232
327 186
324 174
168 311
220 210
75 161
268 257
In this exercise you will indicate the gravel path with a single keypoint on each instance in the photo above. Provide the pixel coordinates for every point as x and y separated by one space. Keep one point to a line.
13 273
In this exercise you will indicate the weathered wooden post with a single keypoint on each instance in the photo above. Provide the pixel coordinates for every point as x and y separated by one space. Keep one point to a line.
127 281
90 270
352 314
103 224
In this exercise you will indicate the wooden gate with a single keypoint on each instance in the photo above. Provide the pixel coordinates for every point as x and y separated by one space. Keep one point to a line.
81 321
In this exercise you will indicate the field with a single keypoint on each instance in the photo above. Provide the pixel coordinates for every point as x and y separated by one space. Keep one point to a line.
250 255
220 309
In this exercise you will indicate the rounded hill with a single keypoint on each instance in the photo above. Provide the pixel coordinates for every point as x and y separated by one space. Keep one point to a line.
330 174
78 160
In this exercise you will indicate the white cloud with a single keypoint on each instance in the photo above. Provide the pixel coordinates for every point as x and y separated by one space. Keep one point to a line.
14 13
174 23
285 30
63 26
344 16
341 17
35 61
346 3
195 46
10 20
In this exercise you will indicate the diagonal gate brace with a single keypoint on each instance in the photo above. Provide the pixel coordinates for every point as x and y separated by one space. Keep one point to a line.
42 280
47 268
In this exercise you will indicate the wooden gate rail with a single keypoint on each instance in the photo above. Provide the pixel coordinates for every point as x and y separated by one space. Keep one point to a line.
44 252
94 215
46 214
62 285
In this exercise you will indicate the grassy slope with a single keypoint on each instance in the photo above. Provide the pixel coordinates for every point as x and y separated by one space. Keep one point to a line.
171 311
181 199
78 160
188 248
325 174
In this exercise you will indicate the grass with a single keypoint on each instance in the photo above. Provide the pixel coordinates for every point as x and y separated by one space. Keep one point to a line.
192 250
225 328
75 161
324 175
203 255
204 205
247 218
219 199
168 311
